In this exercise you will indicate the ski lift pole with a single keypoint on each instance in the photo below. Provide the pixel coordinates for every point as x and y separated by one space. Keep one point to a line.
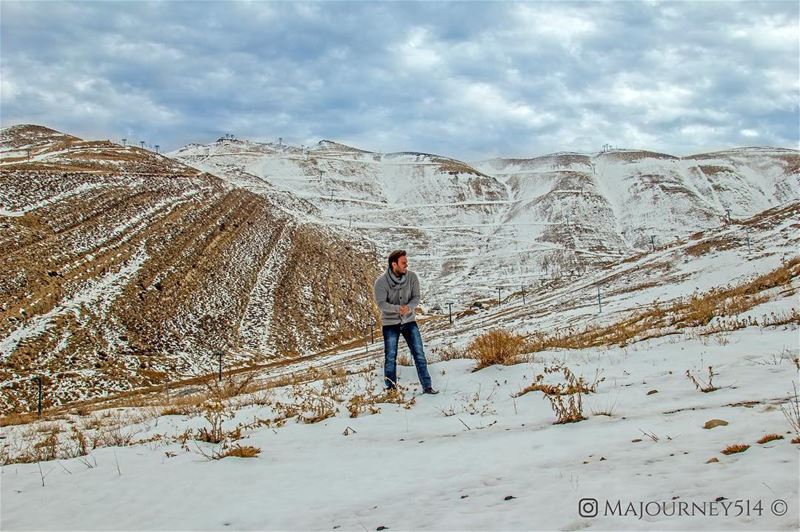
599 302
39 403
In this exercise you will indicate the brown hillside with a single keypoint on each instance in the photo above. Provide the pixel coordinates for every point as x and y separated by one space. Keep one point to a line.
120 268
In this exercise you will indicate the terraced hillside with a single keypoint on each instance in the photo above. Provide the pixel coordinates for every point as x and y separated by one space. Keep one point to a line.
474 229
122 268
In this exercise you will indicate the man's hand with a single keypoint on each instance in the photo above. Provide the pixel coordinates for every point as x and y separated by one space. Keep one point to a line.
404 310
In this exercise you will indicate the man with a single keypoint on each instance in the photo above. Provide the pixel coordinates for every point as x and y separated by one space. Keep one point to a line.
397 295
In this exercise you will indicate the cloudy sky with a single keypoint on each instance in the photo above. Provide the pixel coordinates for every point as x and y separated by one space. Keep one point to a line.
468 80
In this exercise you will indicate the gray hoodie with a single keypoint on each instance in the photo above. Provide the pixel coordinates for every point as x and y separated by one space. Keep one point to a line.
391 292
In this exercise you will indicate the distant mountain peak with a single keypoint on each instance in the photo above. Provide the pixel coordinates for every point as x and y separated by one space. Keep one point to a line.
338 146
31 134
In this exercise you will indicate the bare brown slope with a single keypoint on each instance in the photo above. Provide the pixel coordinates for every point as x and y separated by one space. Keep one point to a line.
111 280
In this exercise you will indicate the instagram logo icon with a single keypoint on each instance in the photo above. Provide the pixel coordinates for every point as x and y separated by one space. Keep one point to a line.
587 507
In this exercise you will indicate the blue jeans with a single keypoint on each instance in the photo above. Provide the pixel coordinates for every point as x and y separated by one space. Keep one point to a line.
391 335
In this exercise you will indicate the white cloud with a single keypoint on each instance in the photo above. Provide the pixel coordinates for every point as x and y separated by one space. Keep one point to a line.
462 79
418 51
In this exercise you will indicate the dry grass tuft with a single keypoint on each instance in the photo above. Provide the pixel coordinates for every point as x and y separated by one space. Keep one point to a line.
769 437
498 346
712 244
697 310
364 403
238 451
736 448
19 419
449 352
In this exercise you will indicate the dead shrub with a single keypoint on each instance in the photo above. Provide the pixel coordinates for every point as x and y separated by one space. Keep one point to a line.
791 410
497 346
569 412
216 408
215 412
396 395
81 443
47 448
571 385
781 318
701 385
404 360
316 408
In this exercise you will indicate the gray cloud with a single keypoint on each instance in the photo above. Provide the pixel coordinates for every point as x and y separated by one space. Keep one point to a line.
470 80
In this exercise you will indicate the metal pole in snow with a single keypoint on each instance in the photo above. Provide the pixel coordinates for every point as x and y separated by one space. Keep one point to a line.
748 241
498 296
39 404
450 311
219 355
653 242
599 303
523 294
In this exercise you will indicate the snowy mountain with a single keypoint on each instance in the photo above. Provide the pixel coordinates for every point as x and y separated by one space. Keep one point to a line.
503 223
121 268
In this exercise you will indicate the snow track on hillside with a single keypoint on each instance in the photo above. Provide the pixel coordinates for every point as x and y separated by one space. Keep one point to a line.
255 326
97 294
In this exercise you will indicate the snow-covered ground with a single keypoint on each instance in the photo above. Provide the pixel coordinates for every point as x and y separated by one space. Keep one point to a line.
480 456
452 461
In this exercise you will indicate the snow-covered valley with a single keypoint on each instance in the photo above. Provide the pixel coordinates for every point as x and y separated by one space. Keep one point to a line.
333 452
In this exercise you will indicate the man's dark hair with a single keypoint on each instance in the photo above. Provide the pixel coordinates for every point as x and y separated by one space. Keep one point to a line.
395 255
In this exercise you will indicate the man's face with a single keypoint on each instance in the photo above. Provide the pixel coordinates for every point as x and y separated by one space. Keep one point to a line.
401 265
